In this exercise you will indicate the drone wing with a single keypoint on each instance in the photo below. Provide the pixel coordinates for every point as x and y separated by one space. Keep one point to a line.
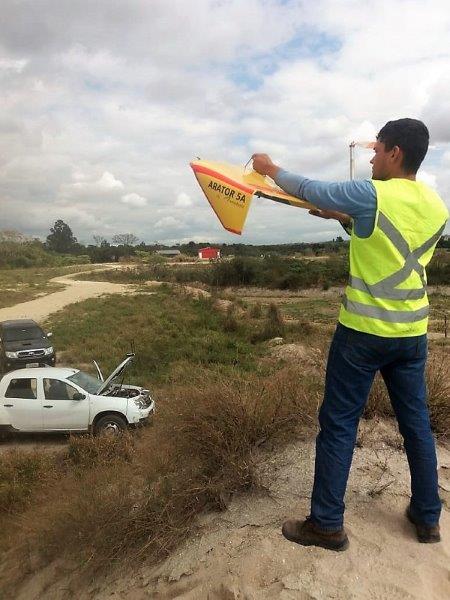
230 190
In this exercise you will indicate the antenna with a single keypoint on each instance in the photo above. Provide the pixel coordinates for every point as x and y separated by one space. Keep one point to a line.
352 160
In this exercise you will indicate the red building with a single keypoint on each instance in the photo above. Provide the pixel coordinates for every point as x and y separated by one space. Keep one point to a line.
209 253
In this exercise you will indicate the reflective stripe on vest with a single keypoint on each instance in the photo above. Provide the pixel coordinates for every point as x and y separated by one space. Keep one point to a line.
392 316
386 288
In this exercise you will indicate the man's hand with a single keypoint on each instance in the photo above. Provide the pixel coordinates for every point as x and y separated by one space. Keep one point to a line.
262 164
331 214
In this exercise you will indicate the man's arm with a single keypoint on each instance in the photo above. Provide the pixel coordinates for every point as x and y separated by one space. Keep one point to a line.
342 200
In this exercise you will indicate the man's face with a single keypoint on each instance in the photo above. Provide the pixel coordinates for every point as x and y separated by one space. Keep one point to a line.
381 162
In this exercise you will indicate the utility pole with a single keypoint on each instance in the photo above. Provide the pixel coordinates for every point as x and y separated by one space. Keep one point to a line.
352 160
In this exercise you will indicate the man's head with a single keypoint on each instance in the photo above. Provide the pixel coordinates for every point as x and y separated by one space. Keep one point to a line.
400 149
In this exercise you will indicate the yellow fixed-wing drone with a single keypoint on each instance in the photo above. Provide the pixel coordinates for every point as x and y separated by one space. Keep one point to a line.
230 189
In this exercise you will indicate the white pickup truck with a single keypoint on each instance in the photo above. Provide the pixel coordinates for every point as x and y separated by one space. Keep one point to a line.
63 399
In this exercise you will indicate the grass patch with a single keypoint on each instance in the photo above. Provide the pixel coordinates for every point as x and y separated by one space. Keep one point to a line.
21 473
86 451
165 329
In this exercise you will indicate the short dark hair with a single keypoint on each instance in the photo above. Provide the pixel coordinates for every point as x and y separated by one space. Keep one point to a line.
411 136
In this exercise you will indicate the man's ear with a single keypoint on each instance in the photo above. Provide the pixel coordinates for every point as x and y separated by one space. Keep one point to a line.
397 155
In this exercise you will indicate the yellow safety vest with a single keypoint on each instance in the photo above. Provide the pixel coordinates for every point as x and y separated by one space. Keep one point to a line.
386 294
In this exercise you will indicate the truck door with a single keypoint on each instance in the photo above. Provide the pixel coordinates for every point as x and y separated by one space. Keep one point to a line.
60 409
22 405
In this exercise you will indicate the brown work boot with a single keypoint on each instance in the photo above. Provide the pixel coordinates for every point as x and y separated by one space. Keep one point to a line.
308 533
426 534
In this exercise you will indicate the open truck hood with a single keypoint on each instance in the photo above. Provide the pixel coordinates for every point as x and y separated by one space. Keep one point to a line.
116 373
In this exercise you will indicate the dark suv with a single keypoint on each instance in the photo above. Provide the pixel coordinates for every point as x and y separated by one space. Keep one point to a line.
24 344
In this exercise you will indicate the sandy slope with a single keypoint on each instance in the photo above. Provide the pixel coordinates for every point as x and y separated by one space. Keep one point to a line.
75 291
239 554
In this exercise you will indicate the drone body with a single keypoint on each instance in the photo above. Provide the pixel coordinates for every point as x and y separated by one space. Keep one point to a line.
229 190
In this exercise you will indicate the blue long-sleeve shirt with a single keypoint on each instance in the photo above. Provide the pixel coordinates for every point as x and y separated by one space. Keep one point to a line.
356 198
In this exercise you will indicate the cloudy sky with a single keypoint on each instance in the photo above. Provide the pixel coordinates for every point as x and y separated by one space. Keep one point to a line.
105 102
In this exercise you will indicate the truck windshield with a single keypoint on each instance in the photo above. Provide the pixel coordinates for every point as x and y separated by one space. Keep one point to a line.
11 334
86 381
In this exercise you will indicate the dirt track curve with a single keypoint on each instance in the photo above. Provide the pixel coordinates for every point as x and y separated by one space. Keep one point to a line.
75 291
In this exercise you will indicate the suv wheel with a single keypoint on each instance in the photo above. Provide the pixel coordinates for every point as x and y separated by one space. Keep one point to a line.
110 425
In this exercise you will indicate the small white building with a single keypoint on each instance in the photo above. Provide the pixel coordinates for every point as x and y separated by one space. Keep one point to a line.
169 252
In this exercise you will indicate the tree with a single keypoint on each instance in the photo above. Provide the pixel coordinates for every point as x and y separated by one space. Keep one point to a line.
98 240
61 238
11 235
125 239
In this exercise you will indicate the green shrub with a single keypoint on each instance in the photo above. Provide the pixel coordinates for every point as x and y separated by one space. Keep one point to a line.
273 325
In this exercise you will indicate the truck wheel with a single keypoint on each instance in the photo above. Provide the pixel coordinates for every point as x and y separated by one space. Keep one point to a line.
110 425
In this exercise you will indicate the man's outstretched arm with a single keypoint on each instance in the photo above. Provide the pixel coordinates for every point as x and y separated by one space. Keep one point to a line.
341 200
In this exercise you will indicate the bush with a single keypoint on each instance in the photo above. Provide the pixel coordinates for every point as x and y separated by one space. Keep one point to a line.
20 474
273 325
230 324
87 451
438 395
438 386
15 255
255 311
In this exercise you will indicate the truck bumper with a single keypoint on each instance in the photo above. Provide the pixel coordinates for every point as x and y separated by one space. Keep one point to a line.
11 364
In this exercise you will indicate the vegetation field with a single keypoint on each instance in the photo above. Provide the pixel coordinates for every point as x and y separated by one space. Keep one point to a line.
170 333
222 390
219 395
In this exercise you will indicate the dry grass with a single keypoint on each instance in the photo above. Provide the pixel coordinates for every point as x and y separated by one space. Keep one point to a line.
273 325
138 497
87 451
439 392
20 474
438 388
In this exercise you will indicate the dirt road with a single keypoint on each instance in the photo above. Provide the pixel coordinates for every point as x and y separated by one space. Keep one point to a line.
75 291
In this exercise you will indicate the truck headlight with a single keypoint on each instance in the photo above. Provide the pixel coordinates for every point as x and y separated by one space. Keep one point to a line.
11 355
48 351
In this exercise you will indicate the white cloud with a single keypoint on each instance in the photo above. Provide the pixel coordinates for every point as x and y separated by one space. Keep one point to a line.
13 65
183 200
134 199
428 178
104 106
84 186
108 182
167 223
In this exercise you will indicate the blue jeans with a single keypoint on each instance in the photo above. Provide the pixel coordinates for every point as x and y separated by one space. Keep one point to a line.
353 361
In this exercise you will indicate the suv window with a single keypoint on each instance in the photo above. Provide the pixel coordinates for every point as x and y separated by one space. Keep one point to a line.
55 389
20 334
22 388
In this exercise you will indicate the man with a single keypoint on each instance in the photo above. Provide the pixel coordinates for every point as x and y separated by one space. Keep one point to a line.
396 222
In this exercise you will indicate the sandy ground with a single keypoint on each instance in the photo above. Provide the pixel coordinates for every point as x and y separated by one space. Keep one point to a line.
75 291
240 554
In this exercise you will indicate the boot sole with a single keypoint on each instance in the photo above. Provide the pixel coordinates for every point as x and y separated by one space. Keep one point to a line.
320 544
